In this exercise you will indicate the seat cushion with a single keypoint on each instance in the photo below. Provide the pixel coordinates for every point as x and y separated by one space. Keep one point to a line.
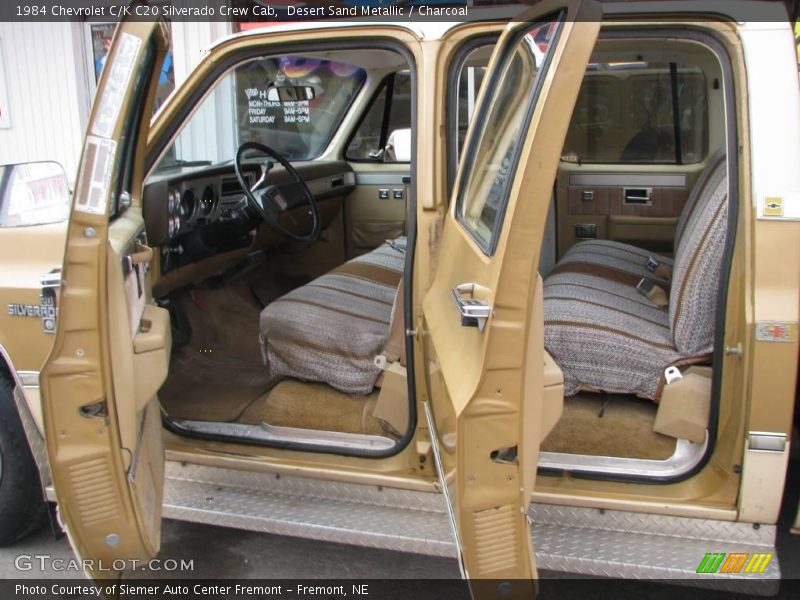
331 329
605 335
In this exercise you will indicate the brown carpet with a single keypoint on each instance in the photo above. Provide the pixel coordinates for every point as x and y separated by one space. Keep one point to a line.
224 322
219 373
625 429
210 389
294 403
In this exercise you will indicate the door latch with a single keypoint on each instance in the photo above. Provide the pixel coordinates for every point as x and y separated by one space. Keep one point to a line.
473 311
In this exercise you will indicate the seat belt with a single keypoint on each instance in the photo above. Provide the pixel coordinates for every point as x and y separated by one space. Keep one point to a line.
658 269
653 292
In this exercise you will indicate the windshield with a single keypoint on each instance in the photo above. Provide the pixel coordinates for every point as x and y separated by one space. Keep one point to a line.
293 104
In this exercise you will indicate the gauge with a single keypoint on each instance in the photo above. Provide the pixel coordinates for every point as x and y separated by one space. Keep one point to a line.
208 201
188 204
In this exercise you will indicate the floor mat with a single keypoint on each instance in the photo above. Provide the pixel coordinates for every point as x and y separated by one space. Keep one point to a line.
294 403
625 429
211 389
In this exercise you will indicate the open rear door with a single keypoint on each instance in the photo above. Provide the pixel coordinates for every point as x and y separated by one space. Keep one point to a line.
483 319
101 418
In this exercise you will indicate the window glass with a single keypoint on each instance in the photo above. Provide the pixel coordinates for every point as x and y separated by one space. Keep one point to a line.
625 114
470 78
292 104
491 162
370 139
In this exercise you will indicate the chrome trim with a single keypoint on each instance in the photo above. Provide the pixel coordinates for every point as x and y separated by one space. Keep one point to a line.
628 179
437 458
390 178
632 199
766 441
28 379
686 457
273 433
473 312
52 279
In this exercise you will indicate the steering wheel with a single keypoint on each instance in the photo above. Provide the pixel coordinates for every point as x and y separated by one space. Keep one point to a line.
272 201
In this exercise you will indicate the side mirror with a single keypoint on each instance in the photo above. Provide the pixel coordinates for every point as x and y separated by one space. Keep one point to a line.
398 146
35 193
290 93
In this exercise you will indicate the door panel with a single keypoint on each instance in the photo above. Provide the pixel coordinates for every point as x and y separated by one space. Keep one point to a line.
376 210
631 204
101 417
483 342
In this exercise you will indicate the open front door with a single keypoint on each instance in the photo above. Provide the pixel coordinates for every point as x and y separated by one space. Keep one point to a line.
483 321
101 418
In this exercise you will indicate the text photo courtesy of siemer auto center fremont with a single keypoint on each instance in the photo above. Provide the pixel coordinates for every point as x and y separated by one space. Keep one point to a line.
399 299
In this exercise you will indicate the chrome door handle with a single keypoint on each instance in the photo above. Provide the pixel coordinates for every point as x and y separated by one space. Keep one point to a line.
473 312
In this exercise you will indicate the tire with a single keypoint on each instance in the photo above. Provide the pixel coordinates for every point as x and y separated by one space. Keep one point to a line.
22 506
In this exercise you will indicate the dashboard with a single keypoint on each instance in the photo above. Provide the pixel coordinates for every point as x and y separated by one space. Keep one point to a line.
194 213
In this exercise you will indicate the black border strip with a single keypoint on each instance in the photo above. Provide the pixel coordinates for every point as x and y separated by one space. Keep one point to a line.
411 208
732 151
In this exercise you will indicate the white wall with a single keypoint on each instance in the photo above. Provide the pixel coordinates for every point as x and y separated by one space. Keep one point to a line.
210 133
47 88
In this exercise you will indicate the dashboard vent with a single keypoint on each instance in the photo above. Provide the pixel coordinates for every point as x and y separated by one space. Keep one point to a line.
231 187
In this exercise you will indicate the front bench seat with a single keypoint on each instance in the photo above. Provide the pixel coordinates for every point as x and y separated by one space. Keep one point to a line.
606 336
331 329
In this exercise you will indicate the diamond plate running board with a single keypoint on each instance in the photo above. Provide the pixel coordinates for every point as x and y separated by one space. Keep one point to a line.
583 541
347 513
619 544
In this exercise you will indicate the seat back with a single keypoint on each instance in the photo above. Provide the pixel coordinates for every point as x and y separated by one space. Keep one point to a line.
698 260
697 192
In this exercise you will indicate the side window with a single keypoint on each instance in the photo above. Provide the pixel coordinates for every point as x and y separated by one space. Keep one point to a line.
469 72
377 137
640 112
492 151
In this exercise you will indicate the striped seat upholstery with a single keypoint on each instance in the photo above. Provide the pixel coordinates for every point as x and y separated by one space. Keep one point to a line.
331 329
605 335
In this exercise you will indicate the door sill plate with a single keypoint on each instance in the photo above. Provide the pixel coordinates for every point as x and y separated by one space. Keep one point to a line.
264 432
686 457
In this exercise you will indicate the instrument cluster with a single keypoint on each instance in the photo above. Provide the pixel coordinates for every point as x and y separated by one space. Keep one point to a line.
190 204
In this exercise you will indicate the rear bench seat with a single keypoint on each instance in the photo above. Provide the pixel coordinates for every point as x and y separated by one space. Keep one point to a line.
605 334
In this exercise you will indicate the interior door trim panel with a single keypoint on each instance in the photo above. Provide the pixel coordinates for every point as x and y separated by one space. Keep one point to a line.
629 179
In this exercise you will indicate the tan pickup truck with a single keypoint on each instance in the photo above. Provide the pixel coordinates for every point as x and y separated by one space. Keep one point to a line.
523 294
